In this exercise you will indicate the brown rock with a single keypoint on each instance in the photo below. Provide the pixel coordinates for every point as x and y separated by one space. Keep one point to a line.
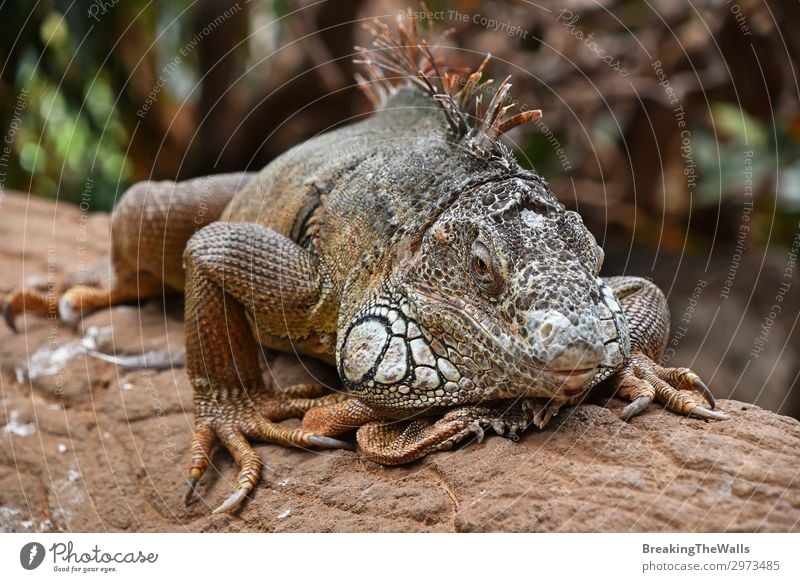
108 450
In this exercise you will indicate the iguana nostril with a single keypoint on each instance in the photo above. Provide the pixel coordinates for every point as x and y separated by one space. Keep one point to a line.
561 344
551 326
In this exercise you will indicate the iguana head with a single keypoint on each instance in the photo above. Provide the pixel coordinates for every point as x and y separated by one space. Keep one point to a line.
501 299
499 296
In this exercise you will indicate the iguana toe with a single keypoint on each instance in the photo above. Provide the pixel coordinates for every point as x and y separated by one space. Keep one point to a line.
685 379
22 300
9 315
339 418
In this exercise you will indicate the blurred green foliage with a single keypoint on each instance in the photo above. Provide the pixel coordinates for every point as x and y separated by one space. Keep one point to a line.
75 78
72 67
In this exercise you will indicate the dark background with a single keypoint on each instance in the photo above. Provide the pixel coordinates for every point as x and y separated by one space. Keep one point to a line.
97 95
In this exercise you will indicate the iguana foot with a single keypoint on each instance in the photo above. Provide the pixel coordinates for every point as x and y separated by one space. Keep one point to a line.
233 424
642 381
394 442
69 307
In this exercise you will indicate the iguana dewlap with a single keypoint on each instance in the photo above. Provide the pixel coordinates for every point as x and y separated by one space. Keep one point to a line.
451 289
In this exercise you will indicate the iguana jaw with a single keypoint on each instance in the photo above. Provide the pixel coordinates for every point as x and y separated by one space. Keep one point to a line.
568 373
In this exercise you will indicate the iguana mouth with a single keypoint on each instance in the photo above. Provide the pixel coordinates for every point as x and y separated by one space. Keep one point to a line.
575 381
568 381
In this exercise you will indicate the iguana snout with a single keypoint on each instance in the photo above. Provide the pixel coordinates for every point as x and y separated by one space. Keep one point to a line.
562 345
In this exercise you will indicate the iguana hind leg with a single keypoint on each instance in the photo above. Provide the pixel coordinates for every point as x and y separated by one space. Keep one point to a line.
78 293
245 285
149 229
643 380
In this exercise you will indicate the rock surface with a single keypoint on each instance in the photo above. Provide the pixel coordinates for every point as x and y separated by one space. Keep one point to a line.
85 446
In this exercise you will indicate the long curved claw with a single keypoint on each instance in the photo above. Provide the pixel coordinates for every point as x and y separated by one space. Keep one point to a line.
635 407
233 502
329 443
700 386
8 316
701 412
191 483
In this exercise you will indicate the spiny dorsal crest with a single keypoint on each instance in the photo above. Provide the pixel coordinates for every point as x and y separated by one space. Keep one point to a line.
404 55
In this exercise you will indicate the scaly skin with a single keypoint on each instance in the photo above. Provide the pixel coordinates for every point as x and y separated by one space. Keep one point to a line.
451 289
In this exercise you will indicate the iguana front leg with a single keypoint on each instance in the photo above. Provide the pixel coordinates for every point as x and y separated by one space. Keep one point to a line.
394 442
243 278
643 380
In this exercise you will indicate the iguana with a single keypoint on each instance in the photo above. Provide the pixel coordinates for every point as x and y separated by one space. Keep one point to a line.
447 284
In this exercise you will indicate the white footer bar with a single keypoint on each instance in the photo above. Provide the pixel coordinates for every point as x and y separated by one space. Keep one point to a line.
411 558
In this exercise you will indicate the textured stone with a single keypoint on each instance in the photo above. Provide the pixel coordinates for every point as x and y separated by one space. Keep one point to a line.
114 457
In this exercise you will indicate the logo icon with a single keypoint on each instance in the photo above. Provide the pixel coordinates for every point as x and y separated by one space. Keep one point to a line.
31 555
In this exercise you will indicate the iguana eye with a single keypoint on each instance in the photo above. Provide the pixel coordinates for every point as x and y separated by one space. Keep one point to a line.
483 270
